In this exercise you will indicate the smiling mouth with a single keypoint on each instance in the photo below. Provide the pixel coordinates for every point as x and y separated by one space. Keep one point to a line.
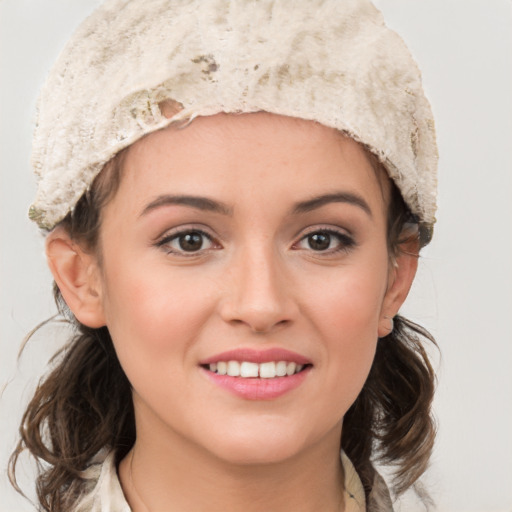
247 369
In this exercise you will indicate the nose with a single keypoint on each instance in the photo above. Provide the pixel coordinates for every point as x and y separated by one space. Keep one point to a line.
258 293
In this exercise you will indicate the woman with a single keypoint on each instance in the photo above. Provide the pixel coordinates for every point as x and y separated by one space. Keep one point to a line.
235 195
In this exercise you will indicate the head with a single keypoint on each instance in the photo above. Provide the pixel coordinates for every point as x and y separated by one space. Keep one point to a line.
288 214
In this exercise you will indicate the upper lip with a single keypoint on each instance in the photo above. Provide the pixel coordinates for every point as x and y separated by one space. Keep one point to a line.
257 356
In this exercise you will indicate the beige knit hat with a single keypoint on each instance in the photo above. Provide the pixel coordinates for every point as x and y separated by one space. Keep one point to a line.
332 61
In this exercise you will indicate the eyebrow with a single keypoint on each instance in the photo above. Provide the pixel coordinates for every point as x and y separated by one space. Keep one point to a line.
198 202
210 205
335 197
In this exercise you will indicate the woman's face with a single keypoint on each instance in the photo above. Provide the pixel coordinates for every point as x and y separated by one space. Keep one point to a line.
252 241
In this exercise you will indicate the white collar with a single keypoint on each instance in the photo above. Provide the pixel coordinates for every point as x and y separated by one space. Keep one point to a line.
103 491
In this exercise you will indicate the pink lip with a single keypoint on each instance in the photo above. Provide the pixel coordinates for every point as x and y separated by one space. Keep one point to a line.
257 356
256 388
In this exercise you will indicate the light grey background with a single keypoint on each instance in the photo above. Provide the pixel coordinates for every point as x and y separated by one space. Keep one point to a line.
463 292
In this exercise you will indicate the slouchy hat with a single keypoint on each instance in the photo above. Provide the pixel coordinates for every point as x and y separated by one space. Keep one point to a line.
331 61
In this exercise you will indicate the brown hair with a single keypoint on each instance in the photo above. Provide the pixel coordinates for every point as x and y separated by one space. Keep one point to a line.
85 404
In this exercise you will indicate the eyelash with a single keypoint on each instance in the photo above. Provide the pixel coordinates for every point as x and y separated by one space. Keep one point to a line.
175 235
345 242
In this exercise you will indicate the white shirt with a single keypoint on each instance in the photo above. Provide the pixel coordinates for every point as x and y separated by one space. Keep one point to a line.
103 491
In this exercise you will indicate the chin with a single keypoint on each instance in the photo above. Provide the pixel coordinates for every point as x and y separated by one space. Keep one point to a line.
257 445
258 453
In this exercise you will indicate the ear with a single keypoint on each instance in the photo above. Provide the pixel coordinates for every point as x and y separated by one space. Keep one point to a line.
401 275
77 275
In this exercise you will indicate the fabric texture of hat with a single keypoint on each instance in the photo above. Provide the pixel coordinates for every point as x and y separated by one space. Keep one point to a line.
332 61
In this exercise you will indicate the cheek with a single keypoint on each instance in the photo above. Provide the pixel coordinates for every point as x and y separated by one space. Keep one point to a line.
348 301
346 313
151 315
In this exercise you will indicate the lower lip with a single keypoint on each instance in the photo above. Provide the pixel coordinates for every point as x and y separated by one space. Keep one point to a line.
255 388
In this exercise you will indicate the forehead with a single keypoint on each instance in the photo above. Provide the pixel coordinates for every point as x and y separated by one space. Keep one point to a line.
249 157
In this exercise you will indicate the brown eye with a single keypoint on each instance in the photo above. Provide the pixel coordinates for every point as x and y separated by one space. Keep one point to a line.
319 241
328 241
190 242
187 241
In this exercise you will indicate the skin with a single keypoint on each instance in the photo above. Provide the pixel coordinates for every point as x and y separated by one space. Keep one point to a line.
257 282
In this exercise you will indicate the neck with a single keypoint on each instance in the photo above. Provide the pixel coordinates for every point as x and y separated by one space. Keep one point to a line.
174 475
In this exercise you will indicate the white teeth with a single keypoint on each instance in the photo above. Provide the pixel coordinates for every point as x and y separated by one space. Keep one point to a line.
281 368
249 369
246 369
222 368
233 368
290 368
268 370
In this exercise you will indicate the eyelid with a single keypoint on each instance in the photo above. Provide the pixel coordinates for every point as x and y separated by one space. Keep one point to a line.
184 228
326 228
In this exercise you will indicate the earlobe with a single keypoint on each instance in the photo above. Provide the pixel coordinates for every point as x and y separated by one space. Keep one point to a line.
77 275
401 277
